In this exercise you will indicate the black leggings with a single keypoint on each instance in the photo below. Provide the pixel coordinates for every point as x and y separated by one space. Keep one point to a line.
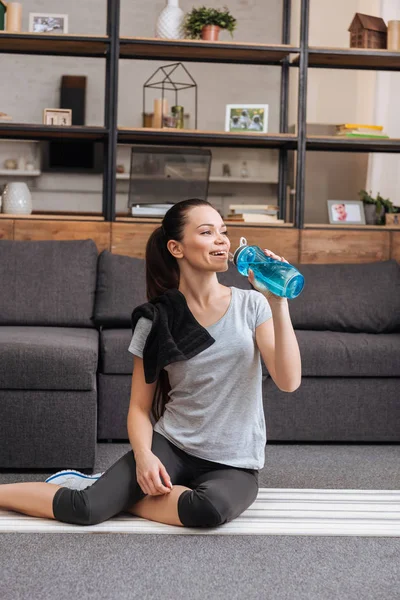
219 493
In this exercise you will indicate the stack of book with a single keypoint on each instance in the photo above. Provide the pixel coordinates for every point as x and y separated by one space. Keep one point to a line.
254 213
150 210
357 130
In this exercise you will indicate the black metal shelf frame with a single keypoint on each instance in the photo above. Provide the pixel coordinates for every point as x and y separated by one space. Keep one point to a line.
113 48
219 139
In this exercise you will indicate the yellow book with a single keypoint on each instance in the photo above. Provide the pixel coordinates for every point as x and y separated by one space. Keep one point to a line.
359 126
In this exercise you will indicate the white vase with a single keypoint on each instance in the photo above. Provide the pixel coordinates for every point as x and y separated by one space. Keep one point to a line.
170 21
17 199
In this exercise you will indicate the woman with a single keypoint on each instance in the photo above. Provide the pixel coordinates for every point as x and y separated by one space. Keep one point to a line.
199 466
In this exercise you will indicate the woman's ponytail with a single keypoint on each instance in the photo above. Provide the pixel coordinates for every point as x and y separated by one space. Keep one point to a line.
162 271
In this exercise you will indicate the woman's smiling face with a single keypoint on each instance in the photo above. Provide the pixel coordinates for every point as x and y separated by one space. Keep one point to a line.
205 244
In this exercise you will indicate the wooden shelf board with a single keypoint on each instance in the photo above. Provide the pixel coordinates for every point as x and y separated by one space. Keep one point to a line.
217 179
206 138
19 173
213 179
34 131
53 217
344 226
338 143
204 51
59 44
352 58
127 219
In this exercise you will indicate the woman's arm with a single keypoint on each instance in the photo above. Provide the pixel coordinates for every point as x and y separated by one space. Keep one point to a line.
277 341
140 428
279 349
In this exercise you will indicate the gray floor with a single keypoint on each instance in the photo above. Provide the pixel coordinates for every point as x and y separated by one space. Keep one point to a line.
117 566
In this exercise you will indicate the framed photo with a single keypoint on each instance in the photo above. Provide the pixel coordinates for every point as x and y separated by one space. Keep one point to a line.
346 212
48 23
246 117
57 116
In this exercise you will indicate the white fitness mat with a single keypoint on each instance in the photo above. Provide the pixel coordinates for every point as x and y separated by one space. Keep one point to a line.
275 512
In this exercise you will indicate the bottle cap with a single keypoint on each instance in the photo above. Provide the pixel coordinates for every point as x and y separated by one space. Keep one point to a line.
243 242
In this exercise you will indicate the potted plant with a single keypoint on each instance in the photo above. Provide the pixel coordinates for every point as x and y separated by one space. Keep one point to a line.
375 208
205 23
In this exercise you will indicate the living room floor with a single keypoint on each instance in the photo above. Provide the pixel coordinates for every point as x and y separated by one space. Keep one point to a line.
290 465
174 567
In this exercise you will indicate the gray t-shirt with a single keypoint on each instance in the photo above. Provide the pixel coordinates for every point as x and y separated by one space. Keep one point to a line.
215 410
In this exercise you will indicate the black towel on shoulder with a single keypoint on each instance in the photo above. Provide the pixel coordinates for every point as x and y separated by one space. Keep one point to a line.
175 334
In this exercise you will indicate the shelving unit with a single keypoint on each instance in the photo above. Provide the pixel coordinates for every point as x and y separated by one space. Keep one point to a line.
201 51
355 58
113 48
182 137
340 144
54 45
19 173
213 179
52 217
33 132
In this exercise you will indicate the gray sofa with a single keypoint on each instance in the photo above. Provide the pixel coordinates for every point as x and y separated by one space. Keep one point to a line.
347 323
48 354
65 369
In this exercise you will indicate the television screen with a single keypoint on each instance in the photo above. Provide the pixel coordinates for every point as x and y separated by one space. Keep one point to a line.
65 156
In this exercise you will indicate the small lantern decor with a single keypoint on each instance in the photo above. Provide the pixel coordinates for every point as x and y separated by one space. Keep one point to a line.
368 32
174 78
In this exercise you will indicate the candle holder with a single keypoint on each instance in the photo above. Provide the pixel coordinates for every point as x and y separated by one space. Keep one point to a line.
172 80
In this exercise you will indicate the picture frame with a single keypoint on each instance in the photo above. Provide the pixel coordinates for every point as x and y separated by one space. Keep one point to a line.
246 117
346 212
392 219
51 23
57 116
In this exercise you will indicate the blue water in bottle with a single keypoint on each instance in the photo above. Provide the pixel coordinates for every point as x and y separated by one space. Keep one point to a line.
280 278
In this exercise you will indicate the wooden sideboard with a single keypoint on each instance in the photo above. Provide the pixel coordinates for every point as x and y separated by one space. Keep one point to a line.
314 244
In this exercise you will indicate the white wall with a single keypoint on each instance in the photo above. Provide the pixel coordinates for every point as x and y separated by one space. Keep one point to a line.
33 84
384 169
334 95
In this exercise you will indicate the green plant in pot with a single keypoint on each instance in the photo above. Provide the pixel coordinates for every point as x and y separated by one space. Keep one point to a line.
375 208
205 23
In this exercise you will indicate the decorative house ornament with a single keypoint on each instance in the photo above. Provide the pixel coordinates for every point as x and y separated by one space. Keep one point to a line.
17 199
368 32
170 21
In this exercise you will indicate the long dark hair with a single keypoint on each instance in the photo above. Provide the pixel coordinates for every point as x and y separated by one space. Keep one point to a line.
162 274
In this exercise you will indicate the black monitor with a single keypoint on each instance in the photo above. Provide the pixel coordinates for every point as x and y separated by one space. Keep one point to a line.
72 156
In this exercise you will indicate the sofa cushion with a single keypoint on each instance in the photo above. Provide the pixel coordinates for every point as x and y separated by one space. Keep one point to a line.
48 358
47 282
115 357
349 297
340 354
121 286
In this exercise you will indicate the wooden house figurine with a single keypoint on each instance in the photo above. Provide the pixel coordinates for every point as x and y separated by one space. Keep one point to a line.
368 32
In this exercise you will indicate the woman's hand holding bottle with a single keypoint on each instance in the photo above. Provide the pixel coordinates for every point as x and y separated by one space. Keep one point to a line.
149 470
267 293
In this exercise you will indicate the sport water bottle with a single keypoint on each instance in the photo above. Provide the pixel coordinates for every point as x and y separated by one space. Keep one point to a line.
280 278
